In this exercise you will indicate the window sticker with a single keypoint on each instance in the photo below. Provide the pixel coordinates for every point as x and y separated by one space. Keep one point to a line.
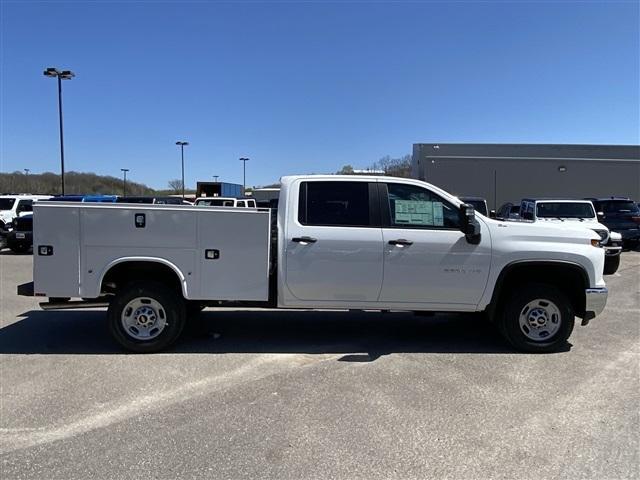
417 212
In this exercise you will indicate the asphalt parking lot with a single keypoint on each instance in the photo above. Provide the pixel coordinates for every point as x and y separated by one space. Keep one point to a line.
293 395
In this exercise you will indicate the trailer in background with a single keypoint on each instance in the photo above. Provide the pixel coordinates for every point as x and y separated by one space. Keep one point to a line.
218 189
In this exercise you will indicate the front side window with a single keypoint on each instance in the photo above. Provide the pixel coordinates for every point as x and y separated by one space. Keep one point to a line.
527 210
415 207
334 204
25 206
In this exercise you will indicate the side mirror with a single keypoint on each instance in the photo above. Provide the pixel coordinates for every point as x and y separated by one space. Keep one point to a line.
600 214
492 214
468 224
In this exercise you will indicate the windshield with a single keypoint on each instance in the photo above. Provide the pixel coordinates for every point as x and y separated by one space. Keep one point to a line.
6 203
564 210
617 206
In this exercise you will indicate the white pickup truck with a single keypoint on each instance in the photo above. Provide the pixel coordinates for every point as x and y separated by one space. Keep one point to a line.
574 213
339 242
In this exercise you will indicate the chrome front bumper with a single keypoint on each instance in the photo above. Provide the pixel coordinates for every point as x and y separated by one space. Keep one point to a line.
596 299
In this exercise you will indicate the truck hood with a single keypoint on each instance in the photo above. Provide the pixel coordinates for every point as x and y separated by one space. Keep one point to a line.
578 232
574 222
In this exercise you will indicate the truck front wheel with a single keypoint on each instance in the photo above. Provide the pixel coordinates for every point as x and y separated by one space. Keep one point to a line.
146 317
611 264
537 318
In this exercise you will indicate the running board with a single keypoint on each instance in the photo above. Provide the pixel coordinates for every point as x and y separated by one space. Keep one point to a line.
71 305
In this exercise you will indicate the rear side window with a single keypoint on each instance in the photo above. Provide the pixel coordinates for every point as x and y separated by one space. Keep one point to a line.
334 204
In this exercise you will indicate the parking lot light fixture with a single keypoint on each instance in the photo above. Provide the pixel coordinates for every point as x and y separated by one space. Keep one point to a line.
60 75
182 144
244 161
124 181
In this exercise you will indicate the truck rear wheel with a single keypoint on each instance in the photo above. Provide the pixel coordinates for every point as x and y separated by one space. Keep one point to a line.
146 317
538 318
611 264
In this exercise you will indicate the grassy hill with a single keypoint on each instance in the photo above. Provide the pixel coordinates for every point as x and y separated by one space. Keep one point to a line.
75 183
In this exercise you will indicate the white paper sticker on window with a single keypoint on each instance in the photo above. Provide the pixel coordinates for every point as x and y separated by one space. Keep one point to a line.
416 212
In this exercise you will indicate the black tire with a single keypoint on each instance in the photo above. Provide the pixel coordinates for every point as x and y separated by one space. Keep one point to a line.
172 311
558 331
611 264
193 310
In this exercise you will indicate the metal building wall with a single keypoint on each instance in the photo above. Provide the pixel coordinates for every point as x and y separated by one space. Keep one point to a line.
508 173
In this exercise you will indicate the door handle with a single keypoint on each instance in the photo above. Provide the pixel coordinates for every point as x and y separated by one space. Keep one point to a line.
304 239
401 242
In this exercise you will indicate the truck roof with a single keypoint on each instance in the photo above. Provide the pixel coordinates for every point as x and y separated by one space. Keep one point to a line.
287 180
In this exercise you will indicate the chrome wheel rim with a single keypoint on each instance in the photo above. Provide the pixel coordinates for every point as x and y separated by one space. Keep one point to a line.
540 319
143 318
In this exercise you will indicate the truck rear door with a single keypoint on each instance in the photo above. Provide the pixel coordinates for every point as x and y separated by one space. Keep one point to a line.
333 245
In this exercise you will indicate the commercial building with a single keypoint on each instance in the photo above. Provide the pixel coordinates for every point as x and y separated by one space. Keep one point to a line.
509 172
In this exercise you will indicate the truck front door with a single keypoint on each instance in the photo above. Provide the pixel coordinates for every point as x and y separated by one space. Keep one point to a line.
333 244
427 259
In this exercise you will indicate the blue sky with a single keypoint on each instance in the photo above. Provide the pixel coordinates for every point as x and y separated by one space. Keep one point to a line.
307 87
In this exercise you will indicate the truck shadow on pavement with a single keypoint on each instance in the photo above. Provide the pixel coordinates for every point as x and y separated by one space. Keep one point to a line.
361 336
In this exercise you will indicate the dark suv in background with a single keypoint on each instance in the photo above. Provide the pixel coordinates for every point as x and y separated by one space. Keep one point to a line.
620 214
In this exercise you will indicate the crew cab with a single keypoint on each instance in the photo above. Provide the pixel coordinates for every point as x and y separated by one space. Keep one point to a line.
572 213
338 242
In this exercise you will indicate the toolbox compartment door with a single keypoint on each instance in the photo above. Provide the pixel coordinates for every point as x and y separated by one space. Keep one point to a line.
56 249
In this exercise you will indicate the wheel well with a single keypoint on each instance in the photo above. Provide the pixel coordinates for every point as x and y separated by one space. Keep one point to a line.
127 272
570 279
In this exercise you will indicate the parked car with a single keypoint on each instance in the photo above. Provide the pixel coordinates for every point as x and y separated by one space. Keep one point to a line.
478 203
14 206
622 215
225 202
345 242
570 212
509 211
20 238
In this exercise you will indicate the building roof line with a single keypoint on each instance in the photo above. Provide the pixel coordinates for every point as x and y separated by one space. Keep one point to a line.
531 157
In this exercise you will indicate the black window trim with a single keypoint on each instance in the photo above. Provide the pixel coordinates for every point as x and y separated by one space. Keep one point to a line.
383 194
374 205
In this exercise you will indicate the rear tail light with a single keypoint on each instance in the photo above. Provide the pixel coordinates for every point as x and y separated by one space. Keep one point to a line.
636 219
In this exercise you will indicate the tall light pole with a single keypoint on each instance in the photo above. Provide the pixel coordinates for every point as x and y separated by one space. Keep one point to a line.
60 75
244 161
124 181
215 178
26 172
182 145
